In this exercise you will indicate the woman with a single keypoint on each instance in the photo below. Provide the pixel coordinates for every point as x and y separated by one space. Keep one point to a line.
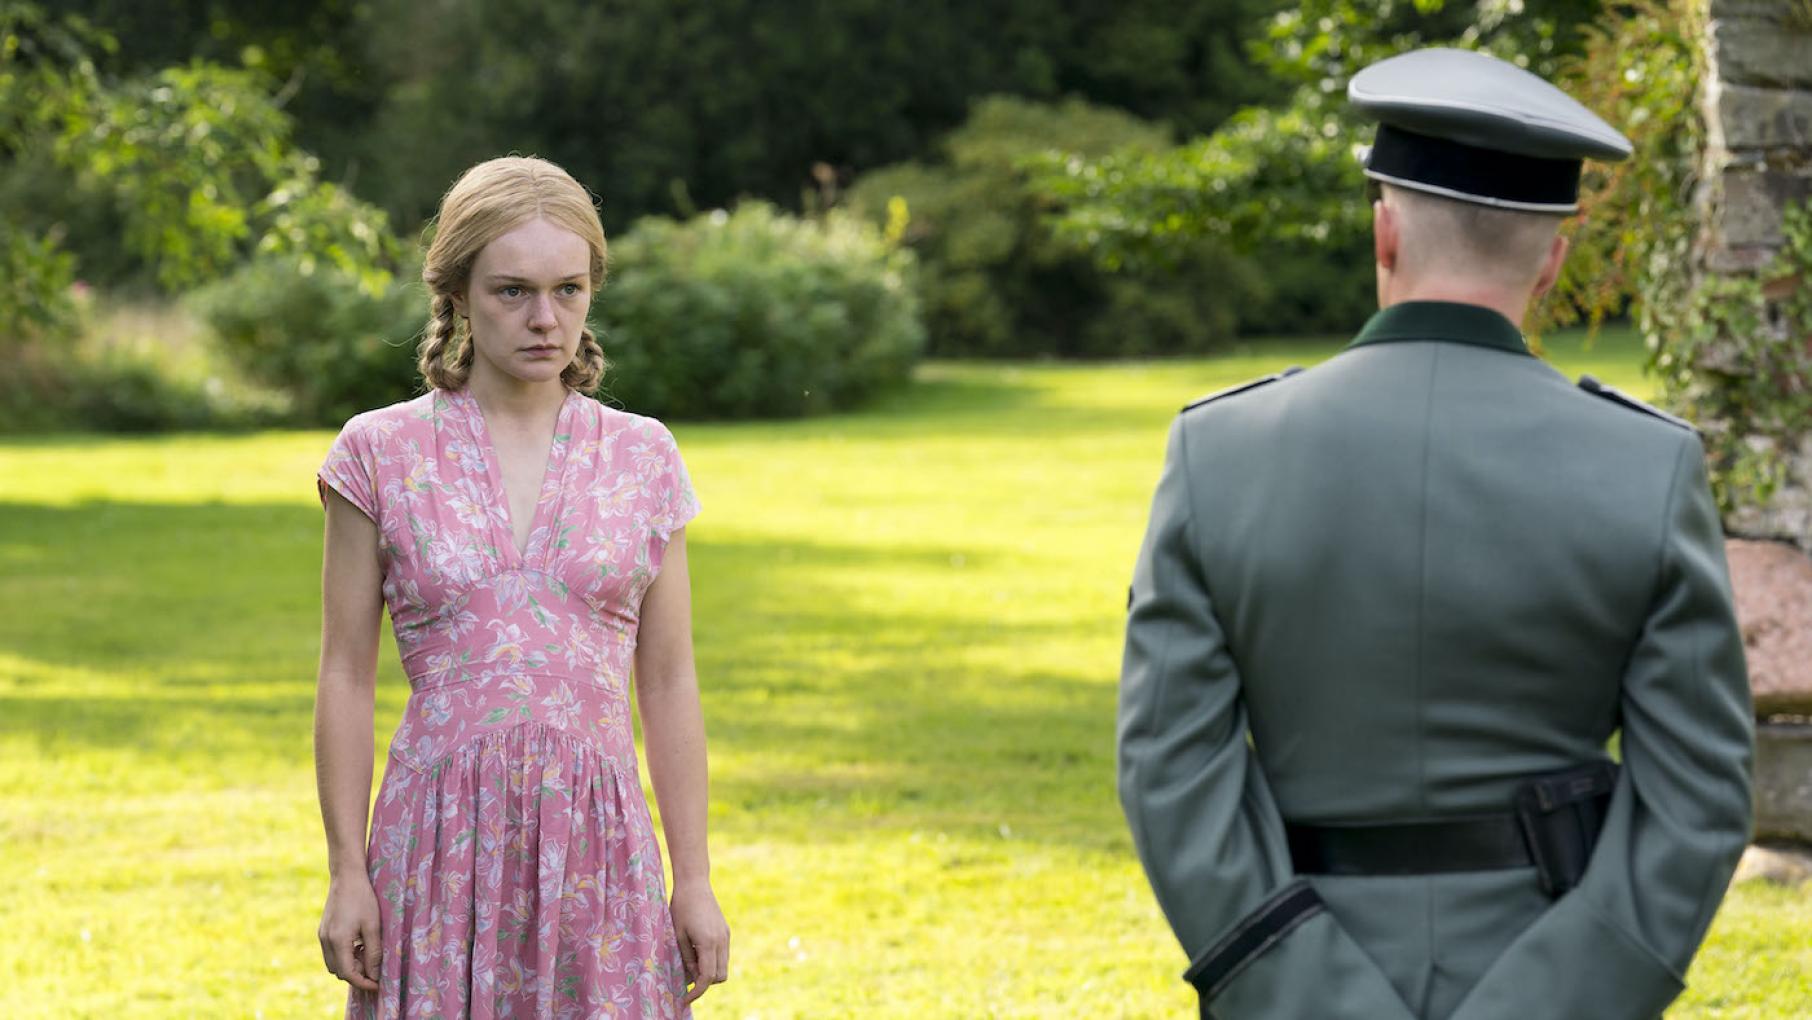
529 544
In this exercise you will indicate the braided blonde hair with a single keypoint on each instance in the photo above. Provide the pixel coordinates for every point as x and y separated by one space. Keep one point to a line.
487 201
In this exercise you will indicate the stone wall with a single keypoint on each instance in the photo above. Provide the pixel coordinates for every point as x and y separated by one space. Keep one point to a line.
1758 160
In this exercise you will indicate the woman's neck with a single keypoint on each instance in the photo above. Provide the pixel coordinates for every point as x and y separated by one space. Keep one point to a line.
506 397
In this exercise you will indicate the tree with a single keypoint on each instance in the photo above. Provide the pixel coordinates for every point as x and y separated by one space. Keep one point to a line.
1288 177
664 107
197 161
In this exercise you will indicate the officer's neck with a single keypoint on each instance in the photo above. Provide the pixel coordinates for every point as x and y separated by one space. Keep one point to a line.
1509 303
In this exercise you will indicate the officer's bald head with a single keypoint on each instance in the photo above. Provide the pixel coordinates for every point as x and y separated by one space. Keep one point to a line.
1428 245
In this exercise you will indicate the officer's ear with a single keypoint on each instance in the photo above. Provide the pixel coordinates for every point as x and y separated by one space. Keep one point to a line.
1387 234
1550 267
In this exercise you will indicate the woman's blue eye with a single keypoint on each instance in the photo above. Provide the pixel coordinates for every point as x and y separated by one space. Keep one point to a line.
510 291
571 289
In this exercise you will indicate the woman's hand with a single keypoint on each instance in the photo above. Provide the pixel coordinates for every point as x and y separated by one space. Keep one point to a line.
351 945
704 936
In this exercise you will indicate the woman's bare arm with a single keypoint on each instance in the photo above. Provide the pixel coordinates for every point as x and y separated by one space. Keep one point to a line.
673 726
345 696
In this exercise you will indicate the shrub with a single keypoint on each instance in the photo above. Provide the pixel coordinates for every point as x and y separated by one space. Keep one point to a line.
756 314
123 392
994 280
35 284
315 333
98 382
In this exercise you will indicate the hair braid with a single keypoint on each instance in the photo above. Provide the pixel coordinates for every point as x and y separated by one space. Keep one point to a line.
586 371
445 354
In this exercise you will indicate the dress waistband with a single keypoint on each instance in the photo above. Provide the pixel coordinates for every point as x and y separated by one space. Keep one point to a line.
438 720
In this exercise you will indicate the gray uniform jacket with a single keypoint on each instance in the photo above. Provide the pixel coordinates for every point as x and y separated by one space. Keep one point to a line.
1389 589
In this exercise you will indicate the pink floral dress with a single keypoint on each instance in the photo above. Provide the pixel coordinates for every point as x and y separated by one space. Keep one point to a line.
511 849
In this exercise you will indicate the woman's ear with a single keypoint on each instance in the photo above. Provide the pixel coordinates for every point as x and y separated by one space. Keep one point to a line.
459 302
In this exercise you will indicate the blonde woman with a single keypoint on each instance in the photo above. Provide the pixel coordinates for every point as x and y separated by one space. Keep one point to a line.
529 544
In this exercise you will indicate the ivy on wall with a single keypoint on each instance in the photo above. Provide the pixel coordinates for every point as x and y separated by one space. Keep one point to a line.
1738 358
1732 352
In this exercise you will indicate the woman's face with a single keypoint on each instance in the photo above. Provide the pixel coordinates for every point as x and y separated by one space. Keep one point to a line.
527 299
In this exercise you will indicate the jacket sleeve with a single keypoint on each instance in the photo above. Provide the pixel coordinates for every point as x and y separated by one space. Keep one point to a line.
1680 814
1203 820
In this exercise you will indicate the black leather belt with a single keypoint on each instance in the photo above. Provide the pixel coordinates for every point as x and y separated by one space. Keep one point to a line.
1553 828
1485 843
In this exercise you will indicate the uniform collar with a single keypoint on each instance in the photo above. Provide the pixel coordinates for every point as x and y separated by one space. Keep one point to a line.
1442 320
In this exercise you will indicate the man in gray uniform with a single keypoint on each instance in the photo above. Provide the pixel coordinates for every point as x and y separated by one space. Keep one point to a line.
1429 579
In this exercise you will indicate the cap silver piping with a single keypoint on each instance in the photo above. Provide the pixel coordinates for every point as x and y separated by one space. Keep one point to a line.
1501 203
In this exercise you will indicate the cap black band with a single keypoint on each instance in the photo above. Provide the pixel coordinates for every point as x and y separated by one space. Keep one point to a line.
1468 172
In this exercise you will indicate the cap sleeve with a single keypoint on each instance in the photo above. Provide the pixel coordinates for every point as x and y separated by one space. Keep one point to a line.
675 503
350 470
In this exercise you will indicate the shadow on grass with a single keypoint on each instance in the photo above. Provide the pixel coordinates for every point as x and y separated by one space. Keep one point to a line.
886 688
846 687
1049 400
942 390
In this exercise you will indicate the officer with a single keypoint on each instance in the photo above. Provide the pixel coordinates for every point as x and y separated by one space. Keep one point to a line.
1390 610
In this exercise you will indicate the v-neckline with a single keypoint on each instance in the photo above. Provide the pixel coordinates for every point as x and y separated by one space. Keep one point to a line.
550 474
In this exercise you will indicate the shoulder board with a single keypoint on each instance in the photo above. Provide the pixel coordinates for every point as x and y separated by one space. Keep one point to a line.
1616 396
1243 387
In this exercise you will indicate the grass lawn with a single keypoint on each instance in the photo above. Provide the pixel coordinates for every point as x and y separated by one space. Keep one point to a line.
908 634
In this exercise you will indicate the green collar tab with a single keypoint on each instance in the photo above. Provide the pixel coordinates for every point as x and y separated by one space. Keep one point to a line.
1442 320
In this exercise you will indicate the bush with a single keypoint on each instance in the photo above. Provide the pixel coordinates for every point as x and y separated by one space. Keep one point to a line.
35 285
99 381
996 282
756 314
315 333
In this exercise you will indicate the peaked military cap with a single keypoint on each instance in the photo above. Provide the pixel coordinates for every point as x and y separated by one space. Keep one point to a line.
1468 126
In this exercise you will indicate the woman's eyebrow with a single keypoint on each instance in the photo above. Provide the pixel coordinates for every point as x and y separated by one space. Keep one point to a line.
506 278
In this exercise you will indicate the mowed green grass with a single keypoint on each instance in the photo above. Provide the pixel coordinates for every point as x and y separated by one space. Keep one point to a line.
908 630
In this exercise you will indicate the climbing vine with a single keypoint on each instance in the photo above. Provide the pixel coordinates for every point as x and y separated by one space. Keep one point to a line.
1738 356
1732 352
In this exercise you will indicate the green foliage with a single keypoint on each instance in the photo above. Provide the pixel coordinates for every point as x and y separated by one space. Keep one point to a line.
113 392
106 372
35 282
741 98
994 280
1284 182
756 314
1730 350
197 161
1324 42
46 67
41 198
193 170
1269 176
1633 238
1737 355
315 332
200 163
315 41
